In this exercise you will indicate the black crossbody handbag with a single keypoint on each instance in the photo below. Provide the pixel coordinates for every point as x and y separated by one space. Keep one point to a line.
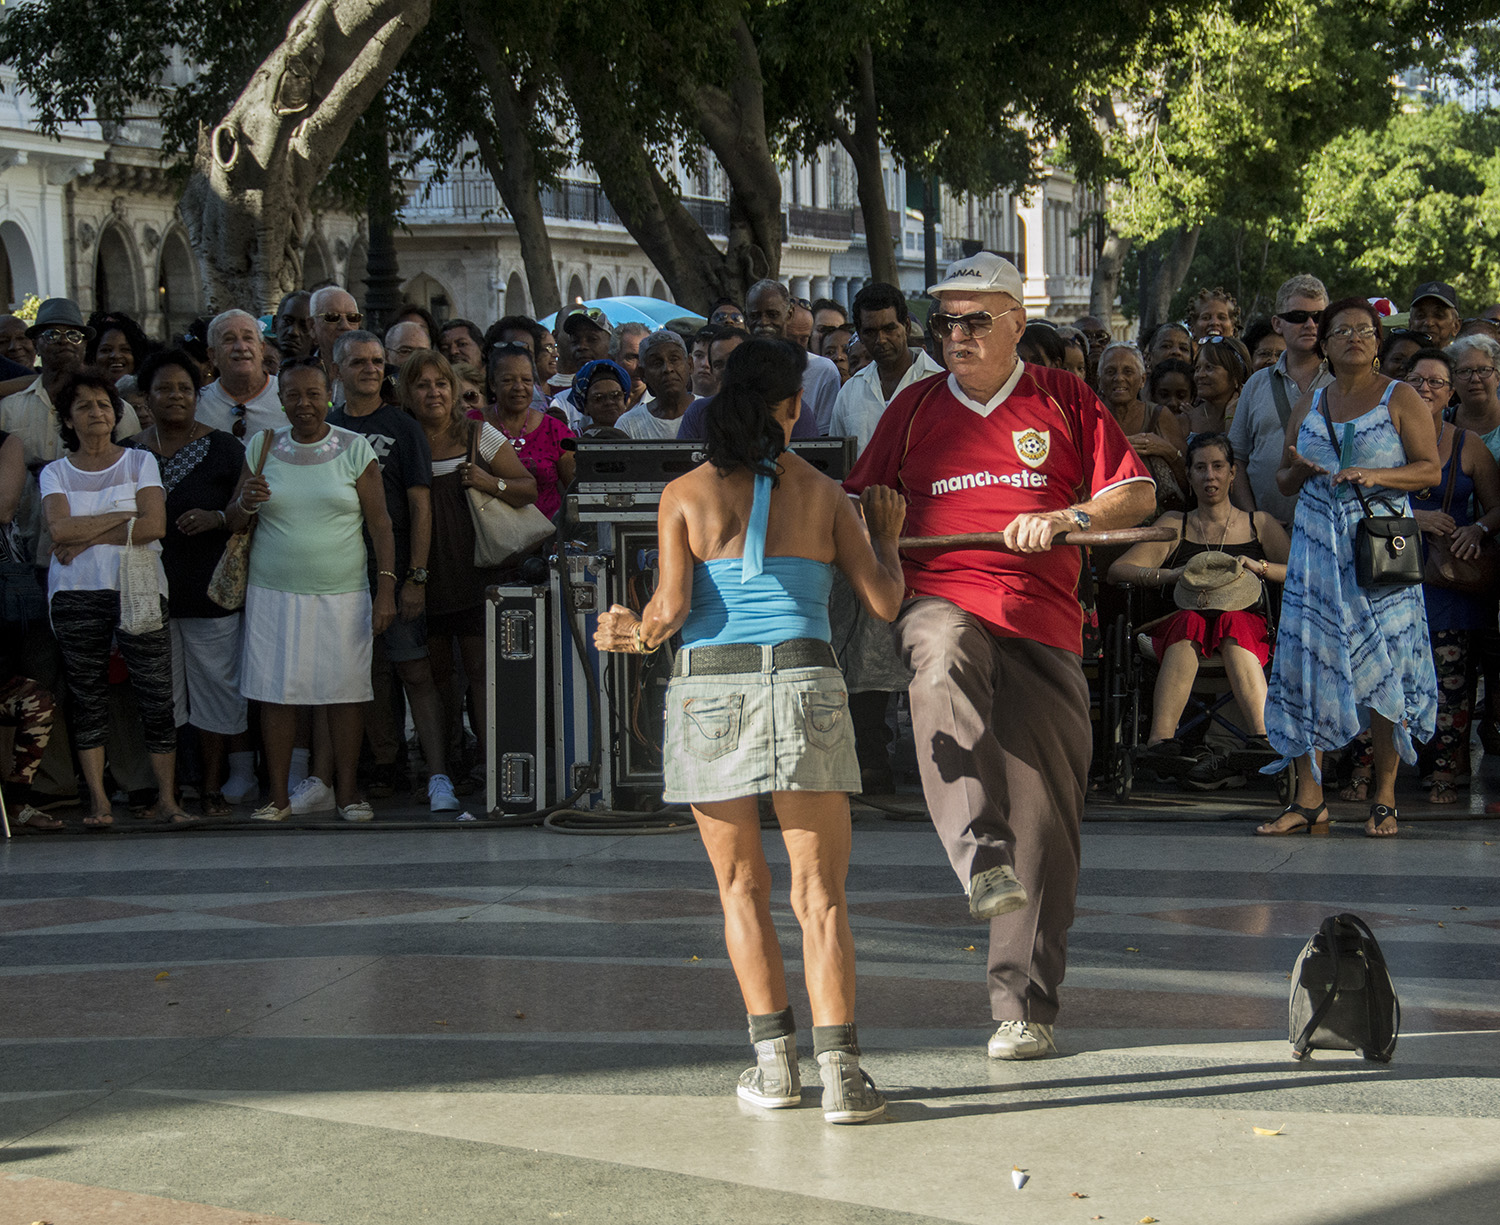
1387 552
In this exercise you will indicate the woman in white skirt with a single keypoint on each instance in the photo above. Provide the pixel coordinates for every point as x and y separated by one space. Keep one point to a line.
309 620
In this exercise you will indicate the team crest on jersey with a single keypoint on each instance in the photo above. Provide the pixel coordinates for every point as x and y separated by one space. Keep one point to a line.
1032 446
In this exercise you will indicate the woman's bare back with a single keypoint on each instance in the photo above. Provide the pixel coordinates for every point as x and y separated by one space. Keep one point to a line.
716 510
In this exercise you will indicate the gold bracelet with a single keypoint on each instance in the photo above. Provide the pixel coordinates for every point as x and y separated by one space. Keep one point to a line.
386 573
640 647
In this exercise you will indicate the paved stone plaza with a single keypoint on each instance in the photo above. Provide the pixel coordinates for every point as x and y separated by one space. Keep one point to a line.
472 1025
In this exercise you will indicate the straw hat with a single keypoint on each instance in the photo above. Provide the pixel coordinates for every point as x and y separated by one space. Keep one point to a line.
1217 582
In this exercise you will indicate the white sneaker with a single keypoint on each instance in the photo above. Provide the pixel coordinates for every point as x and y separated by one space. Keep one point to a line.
440 797
1022 1040
313 796
995 891
360 810
270 813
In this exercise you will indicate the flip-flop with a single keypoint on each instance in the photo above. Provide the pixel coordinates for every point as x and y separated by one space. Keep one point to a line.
100 821
215 805
1309 821
32 818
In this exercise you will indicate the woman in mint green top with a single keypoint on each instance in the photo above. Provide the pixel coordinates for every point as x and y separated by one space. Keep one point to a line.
309 618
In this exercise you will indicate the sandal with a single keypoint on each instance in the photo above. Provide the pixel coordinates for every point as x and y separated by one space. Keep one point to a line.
1379 815
31 818
1358 790
99 820
215 806
1444 791
1312 818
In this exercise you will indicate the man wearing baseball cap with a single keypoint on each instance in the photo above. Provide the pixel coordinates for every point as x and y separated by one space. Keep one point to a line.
588 331
999 703
1434 310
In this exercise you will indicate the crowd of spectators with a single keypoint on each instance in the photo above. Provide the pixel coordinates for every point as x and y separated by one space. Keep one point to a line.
354 454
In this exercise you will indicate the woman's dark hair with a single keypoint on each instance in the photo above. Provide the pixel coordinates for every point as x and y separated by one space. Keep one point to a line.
1043 337
1325 324
508 349
194 341
1255 332
117 321
301 363
415 312
1431 355
1229 355
1167 365
168 359
1170 326
760 374
1398 336
1209 438
511 323
87 376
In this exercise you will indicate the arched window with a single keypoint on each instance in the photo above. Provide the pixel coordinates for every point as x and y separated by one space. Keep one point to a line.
179 294
515 295
116 279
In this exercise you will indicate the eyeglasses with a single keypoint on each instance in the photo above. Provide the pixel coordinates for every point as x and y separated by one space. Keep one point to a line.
1424 338
1474 372
973 326
1300 317
1364 332
54 336
351 317
406 351
473 397
1419 382
606 397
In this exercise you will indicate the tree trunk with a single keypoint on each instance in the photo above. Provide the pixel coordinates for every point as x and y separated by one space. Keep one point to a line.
511 161
1108 268
733 123
1170 274
246 203
862 144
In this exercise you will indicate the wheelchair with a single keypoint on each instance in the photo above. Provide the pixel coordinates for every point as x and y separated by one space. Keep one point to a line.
1126 681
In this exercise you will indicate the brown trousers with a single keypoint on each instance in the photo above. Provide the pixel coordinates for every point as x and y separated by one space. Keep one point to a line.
1003 743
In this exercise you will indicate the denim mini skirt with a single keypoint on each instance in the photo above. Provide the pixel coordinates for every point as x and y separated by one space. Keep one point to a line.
747 733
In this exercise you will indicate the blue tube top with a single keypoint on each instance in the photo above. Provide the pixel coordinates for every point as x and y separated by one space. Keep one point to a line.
757 599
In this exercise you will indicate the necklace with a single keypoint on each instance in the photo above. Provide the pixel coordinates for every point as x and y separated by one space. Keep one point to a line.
1204 521
525 417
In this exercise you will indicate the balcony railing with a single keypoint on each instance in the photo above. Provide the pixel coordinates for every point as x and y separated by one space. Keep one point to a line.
466 196
836 224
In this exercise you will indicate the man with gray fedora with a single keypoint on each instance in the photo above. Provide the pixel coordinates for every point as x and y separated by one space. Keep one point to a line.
999 703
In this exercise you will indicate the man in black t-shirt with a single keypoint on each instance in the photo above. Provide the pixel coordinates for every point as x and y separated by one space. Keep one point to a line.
406 470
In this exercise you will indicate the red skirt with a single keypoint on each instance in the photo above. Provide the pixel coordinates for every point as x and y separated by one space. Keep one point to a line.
1247 629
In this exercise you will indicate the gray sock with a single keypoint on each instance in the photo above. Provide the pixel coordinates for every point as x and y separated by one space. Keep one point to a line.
835 1038
765 1026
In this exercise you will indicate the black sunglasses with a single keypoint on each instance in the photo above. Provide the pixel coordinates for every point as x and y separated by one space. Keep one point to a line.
353 317
1300 317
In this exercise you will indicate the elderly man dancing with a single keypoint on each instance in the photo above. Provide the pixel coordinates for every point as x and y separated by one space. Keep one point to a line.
999 704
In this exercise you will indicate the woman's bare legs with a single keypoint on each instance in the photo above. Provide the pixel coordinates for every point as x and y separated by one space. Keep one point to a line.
1247 681
815 827
278 731
1383 778
1174 685
731 834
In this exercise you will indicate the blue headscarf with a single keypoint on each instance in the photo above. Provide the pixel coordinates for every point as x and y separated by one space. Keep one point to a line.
602 368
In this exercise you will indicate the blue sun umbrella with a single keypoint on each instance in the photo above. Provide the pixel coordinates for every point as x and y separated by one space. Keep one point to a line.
653 312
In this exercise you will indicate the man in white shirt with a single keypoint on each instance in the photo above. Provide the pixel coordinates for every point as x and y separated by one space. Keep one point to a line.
1258 431
663 364
243 400
768 306
880 316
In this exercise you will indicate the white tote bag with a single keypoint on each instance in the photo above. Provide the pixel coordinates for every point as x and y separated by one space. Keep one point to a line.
140 597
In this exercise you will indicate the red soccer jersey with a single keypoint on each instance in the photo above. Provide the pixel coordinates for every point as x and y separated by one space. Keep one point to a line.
1051 444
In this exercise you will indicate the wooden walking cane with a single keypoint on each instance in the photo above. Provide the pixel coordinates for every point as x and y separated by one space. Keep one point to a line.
996 540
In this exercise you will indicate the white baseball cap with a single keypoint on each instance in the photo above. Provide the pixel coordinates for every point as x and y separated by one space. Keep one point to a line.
982 273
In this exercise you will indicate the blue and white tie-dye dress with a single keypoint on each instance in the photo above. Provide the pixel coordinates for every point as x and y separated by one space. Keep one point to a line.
1342 651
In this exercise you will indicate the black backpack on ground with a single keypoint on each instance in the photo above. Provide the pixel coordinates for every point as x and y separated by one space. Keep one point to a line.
1342 997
